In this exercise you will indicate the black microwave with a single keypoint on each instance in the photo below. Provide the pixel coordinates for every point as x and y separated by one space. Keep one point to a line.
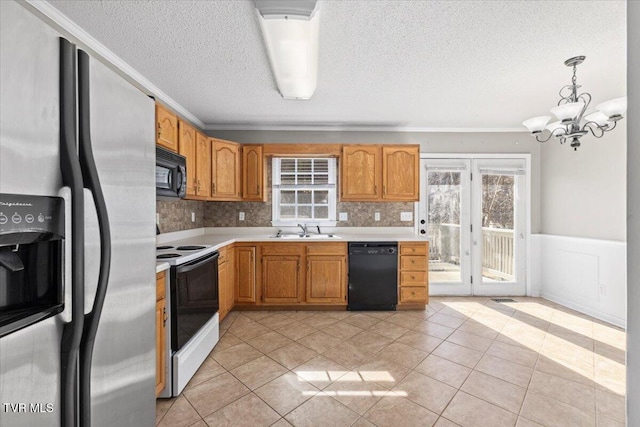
171 174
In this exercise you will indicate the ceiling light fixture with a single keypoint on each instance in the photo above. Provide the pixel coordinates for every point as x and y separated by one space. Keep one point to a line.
572 122
290 31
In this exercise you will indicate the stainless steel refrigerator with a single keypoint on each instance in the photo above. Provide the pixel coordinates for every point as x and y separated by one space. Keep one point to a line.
77 237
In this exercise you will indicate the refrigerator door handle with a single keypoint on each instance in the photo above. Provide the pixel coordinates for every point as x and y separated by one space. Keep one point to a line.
92 181
72 178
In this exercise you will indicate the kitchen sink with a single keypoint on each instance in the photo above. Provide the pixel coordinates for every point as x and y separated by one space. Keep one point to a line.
305 236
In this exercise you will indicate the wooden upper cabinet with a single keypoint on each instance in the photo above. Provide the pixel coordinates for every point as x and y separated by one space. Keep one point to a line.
253 170
203 166
360 173
166 128
401 172
226 164
187 148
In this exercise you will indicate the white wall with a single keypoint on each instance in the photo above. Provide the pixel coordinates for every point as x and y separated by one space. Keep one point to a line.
633 212
584 191
430 142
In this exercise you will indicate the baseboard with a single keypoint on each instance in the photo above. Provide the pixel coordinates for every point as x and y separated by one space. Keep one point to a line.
617 321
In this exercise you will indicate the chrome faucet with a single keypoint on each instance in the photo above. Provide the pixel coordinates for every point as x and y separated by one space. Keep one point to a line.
304 228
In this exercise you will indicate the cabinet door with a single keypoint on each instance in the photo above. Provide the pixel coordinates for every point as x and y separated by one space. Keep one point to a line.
187 145
223 288
161 331
253 173
226 164
231 279
160 346
361 172
203 166
166 128
245 274
400 172
326 279
281 279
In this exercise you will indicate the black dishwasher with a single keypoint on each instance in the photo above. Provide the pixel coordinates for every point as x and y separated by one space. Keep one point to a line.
373 276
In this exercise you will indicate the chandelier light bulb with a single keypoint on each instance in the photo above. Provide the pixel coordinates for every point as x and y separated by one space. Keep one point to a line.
568 112
614 109
598 117
537 124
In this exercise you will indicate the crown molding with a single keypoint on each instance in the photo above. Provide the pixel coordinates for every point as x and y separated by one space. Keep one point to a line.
85 40
356 128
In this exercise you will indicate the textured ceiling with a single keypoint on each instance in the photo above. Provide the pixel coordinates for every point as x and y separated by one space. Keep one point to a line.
389 64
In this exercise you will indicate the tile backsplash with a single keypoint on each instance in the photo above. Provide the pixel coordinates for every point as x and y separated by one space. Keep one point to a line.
175 215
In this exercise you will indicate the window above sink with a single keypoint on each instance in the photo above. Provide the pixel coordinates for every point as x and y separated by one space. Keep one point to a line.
304 190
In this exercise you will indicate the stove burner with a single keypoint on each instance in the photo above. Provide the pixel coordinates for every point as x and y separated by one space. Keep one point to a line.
189 248
163 256
161 248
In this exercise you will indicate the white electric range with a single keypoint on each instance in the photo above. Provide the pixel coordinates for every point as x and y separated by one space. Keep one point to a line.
193 305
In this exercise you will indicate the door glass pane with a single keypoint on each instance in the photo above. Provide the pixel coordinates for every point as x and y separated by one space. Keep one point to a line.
443 192
498 214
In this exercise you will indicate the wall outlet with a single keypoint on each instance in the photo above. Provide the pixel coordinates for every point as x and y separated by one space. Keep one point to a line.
376 216
241 216
157 218
343 216
406 216
193 217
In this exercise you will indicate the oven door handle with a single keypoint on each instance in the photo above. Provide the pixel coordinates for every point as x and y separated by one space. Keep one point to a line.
189 267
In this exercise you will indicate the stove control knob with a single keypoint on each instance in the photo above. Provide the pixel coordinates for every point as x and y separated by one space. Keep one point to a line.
3 219
17 219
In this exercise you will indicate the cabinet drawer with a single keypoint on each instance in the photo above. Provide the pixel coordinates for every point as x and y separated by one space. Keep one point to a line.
413 278
413 248
410 262
326 248
160 285
413 294
282 249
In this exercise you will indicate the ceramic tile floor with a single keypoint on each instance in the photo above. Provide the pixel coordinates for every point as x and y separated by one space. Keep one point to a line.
461 362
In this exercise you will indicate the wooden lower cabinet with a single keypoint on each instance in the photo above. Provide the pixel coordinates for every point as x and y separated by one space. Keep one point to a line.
315 274
326 273
161 331
226 285
413 279
245 274
282 277
326 279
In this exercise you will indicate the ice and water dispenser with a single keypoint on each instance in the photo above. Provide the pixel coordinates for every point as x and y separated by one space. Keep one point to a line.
31 260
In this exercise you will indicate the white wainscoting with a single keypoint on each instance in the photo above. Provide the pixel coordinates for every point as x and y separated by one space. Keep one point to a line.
587 275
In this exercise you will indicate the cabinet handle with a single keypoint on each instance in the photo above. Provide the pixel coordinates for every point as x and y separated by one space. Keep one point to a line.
384 190
214 187
164 315
375 189
413 277
159 130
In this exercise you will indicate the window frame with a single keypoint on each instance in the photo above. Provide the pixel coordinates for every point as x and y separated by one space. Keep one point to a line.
331 187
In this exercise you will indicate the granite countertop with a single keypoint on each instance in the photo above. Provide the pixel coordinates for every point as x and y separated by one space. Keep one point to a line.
219 238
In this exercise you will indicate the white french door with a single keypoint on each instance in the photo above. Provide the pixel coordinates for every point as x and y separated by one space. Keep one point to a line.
474 211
